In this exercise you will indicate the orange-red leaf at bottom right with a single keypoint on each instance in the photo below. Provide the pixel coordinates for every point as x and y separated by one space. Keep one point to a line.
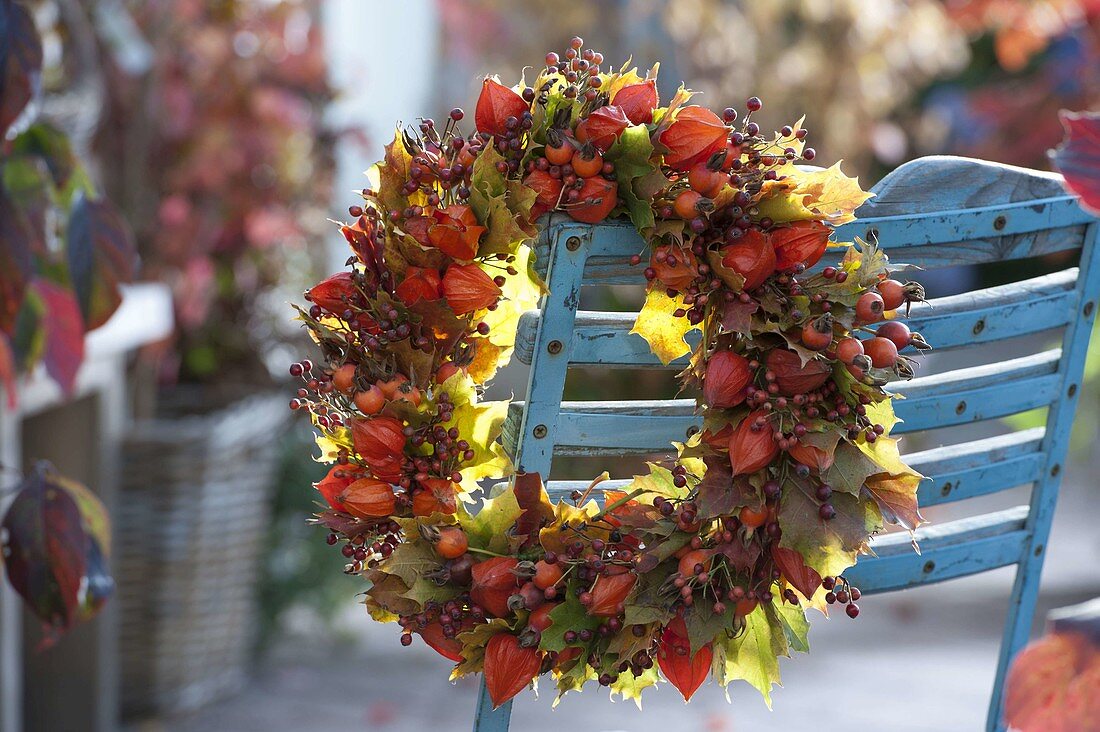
685 670
1054 686
508 667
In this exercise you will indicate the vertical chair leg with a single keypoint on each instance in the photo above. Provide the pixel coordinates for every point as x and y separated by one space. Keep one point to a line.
488 719
1021 609
545 387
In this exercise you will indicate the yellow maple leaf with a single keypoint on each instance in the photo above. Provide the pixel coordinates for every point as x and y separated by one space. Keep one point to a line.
831 195
825 195
662 330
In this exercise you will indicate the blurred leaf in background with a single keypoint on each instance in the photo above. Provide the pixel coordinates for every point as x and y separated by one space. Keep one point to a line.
56 546
223 163
64 250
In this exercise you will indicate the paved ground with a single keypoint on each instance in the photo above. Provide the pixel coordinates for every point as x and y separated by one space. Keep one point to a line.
916 661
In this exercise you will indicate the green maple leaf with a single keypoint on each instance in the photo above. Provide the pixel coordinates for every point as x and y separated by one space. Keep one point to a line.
490 528
630 686
830 547
753 655
796 627
704 625
631 155
425 590
410 561
850 469
570 614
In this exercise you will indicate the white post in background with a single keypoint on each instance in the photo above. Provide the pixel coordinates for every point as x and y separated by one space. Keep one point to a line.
380 76
11 609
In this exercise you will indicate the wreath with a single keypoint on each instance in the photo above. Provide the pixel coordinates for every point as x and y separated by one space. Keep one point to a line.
705 565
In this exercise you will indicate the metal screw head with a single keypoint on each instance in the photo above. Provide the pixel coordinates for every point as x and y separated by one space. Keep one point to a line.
979 326
539 431
1055 470
946 490
1072 390
929 566
1038 550
1089 306
960 407
999 222
573 243
872 233
553 347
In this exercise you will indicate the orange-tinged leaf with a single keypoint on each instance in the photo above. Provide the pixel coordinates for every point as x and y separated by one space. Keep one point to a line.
1038 679
896 496
804 579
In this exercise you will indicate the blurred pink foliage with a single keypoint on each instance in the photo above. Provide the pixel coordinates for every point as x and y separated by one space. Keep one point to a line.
223 156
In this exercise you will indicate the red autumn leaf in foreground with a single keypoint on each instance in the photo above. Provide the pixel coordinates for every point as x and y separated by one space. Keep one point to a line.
334 293
331 486
1078 157
604 126
803 578
794 378
801 242
420 283
454 231
752 449
725 380
609 594
695 135
1054 686
495 105
685 670
494 582
509 667
597 198
437 495
547 191
468 288
369 498
676 266
752 257
637 101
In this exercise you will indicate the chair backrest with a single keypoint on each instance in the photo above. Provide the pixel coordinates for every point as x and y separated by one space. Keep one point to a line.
935 212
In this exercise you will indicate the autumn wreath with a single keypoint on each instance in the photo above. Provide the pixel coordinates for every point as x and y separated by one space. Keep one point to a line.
705 565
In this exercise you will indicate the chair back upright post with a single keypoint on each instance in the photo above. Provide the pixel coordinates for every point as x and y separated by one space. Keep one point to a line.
935 212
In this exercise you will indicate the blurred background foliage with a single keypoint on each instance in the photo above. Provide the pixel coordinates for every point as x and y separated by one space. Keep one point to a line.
222 162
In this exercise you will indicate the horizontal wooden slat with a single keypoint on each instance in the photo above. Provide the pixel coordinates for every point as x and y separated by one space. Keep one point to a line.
979 467
951 398
955 472
931 239
949 550
983 316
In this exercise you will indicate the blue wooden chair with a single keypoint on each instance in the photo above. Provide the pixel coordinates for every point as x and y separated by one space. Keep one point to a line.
934 212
